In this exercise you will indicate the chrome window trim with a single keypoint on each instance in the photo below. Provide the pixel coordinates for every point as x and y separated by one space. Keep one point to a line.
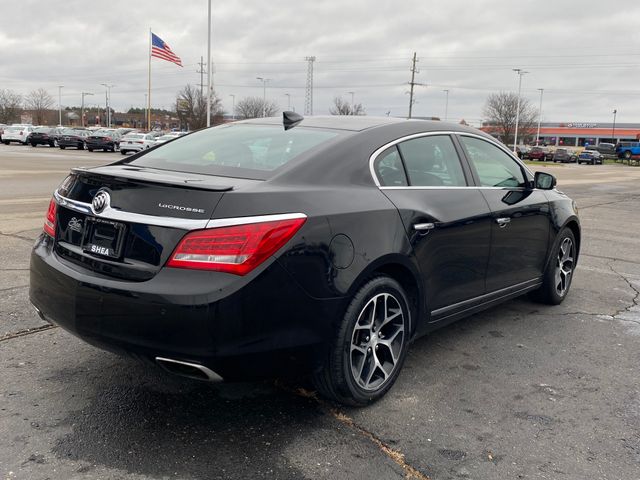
172 222
378 151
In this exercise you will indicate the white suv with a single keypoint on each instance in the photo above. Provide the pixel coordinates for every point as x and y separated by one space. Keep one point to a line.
17 133
136 142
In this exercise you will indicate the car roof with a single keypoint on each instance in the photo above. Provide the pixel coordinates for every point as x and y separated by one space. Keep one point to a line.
355 123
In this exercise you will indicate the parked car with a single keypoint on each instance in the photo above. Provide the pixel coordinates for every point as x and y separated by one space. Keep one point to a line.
348 237
591 156
71 137
608 150
165 138
563 155
17 133
627 150
538 153
136 142
43 136
105 139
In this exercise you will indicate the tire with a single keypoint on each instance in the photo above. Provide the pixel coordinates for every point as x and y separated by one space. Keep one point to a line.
62 147
559 273
80 146
352 370
627 155
52 144
33 144
123 152
90 149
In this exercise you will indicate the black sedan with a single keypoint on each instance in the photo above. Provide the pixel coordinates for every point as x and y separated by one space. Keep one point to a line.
43 136
71 137
105 139
323 245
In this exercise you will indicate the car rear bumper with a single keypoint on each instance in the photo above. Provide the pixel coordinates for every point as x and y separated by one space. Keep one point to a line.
237 326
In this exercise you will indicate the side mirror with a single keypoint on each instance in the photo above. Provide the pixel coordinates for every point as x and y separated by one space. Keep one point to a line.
544 181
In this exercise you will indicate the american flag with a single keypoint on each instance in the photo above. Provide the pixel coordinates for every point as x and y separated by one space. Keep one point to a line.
161 50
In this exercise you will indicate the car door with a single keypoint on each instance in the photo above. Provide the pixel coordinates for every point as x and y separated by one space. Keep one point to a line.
447 222
521 215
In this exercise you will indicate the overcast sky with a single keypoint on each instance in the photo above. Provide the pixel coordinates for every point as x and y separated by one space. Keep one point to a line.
585 56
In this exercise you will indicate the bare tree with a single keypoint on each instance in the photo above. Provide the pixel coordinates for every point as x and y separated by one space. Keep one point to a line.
500 112
252 107
342 107
10 106
191 107
39 102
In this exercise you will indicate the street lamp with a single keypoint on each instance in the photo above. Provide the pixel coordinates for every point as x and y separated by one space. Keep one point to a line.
264 94
60 104
107 95
446 105
613 130
233 108
520 73
353 110
288 95
541 90
82 106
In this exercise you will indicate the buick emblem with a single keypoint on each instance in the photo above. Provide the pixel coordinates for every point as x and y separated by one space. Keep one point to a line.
101 201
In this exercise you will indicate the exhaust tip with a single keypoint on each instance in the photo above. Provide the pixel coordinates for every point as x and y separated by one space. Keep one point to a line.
187 369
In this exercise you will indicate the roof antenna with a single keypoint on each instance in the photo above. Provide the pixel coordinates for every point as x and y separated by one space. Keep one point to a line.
291 119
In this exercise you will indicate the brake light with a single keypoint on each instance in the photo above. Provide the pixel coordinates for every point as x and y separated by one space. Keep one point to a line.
50 221
236 249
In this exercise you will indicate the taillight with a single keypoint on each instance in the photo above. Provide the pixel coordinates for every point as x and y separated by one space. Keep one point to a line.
236 249
50 222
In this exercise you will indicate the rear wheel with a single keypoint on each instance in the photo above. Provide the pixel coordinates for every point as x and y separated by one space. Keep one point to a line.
62 147
123 152
367 354
33 144
627 155
557 279
90 149
80 146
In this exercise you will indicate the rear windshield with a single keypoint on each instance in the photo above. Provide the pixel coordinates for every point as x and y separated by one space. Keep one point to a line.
42 130
14 129
247 151
133 136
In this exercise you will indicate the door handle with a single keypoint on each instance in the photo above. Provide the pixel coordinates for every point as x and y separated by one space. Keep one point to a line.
424 227
503 221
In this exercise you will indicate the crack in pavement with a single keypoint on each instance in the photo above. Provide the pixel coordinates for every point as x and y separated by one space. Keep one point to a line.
394 455
19 237
625 200
634 262
13 288
634 300
28 331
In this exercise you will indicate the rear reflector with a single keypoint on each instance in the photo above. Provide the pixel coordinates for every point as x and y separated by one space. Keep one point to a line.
50 221
236 249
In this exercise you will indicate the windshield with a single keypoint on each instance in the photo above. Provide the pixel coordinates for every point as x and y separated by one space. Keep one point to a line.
235 150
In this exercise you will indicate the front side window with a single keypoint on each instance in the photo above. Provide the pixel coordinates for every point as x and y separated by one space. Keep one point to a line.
494 166
432 161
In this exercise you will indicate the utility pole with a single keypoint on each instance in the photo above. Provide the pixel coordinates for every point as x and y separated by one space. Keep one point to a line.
60 104
541 90
233 108
613 130
412 82
82 107
209 64
264 94
201 72
446 105
520 73
308 94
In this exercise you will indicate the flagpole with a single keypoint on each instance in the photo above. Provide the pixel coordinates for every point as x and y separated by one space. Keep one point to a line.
149 96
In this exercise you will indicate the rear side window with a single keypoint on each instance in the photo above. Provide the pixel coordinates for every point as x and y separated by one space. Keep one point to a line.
432 161
249 151
389 169
495 167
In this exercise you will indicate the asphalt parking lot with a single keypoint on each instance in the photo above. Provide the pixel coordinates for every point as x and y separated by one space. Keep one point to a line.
519 391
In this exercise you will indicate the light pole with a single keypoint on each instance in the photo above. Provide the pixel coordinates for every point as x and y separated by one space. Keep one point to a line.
541 90
209 64
264 94
233 108
520 73
82 106
60 104
446 105
613 130
107 95
288 95
353 110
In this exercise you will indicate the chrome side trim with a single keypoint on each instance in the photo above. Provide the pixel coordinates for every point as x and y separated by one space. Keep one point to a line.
167 362
375 155
110 213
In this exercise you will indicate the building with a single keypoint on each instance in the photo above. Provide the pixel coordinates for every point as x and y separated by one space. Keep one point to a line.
579 134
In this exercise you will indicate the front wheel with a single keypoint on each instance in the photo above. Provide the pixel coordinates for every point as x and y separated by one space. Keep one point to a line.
557 279
62 147
369 349
627 155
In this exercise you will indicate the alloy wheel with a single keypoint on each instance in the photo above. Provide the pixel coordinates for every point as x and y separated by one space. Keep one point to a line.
564 267
377 341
